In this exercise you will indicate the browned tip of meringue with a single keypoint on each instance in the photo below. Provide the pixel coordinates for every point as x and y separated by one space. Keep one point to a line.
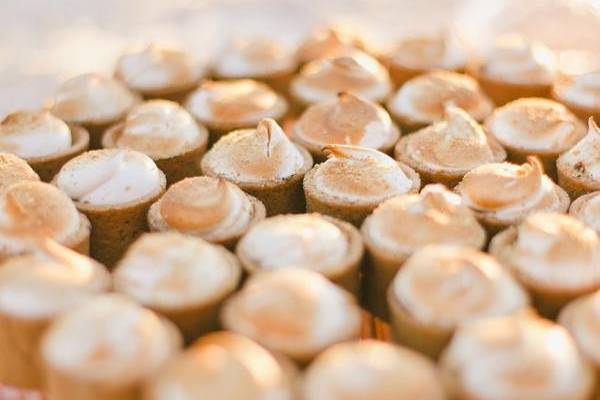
332 151
265 129
592 126
347 63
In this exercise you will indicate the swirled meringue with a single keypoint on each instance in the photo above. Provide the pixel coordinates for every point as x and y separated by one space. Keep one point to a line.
587 210
582 319
582 90
429 52
14 169
583 159
329 42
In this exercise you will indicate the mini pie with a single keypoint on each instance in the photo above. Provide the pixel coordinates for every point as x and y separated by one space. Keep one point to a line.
34 290
535 126
422 100
329 41
554 256
322 79
515 358
587 210
224 106
402 225
354 181
43 140
579 168
313 241
293 311
94 102
180 277
516 68
114 188
446 150
420 54
349 119
157 71
165 132
503 194
211 208
32 210
371 369
264 163
581 94
105 349
14 169
224 366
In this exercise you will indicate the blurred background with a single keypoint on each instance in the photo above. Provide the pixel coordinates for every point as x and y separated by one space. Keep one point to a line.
45 42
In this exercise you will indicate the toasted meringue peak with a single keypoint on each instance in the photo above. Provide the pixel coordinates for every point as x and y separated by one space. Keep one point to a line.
294 311
536 124
123 342
92 98
328 42
235 102
516 357
369 369
160 129
169 270
255 155
582 90
14 169
582 319
255 57
110 177
429 52
423 99
447 286
224 366
584 157
156 68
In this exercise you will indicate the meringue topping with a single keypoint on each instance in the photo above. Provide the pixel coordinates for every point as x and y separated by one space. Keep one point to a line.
359 175
516 357
535 124
348 119
582 319
322 79
429 52
239 102
160 129
329 42
303 240
170 270
110 177
582 90
255 155
405 223
588 210
123 342
223 366
369 369
33 134
423 99
156 68
14 169
294 311
584 158
457 144
92 98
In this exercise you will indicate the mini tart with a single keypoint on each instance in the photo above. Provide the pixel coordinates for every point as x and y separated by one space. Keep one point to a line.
157 71
210 208
31 210
264 163
403 224
165 132
104 349
420 54
354 181
293 311
224 106
421 101
440 288
43 140
515 357
503 194
581 94
587 210
34 290
579 168
516 68
180 277
14 169
329 41
323 244
349 119
94 102
445 151
370 369
322 79
224 366
554 256
114 188
537 127
262 59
